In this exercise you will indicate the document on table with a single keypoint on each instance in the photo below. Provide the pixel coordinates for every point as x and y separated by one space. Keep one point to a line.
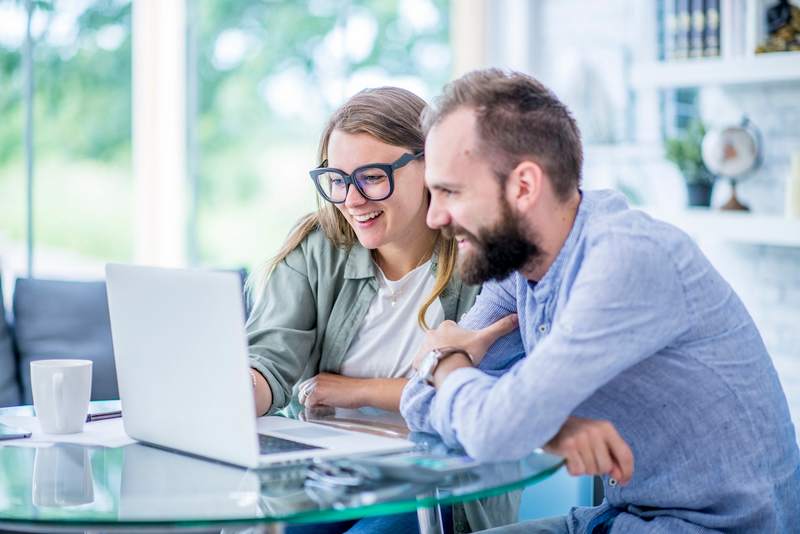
105 433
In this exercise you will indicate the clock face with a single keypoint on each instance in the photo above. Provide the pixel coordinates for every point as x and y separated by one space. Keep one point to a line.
730 151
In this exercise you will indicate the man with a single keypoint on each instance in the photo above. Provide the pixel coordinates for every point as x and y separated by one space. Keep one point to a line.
620 316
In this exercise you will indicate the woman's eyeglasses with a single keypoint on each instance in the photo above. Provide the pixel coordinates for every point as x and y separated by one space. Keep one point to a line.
374 181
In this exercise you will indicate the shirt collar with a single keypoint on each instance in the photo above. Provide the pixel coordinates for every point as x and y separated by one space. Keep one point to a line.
359 263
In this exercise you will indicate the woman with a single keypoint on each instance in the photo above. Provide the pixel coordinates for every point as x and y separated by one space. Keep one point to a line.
340 311
345 301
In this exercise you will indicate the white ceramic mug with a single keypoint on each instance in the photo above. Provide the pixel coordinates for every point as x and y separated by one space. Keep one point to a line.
62 476
61 393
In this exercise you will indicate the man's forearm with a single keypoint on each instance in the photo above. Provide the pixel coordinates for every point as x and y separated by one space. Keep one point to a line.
448 365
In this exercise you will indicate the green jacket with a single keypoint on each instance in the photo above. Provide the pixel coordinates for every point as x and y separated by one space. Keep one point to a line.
308 314
311 309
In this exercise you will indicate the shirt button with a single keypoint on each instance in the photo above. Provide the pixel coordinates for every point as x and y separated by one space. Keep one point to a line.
612 482
542 328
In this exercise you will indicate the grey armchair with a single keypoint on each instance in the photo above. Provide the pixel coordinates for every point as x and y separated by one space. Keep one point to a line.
64 319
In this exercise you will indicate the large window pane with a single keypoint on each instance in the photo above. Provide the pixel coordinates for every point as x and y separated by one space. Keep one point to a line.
82 136
268 74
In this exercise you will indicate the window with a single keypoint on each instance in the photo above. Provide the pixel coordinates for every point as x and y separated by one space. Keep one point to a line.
81 148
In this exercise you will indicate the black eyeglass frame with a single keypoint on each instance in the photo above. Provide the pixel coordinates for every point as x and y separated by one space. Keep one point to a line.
388 168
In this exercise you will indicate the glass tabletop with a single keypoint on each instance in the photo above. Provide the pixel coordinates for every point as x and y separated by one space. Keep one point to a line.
139 485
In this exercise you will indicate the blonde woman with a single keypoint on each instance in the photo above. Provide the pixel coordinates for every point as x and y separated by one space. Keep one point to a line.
340 310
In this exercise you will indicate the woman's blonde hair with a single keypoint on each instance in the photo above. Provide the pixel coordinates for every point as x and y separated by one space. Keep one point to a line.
390 115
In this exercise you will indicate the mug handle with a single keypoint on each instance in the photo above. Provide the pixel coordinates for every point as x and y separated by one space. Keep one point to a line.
58 397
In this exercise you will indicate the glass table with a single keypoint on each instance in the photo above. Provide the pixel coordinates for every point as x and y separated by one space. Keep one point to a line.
135 488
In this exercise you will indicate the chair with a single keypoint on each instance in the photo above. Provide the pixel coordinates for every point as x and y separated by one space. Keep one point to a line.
60 320
9 386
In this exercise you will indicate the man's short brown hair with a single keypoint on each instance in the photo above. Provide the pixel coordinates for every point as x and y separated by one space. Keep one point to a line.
518 118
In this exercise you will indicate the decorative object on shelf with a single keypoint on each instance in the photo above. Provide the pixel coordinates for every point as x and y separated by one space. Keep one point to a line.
732 152
691 29
697 31
711 41
783 27
793 188
685 152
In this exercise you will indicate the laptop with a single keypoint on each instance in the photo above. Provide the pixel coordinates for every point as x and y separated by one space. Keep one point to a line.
180 351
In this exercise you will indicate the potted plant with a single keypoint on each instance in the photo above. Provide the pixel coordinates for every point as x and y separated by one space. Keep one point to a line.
685 152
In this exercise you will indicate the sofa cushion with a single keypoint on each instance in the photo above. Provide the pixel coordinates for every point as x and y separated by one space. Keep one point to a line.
9 385
64 319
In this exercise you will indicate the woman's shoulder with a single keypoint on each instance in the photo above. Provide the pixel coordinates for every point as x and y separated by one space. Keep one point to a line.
317 245
317 254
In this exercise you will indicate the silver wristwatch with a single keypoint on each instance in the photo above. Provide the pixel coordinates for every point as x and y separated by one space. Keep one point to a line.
431 361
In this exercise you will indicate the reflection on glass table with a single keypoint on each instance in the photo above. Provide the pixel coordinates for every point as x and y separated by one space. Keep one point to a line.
137 487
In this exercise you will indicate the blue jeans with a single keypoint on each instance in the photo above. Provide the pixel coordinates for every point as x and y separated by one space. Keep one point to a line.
406 523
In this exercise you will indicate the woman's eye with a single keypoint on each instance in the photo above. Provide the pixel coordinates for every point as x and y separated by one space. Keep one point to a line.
373 179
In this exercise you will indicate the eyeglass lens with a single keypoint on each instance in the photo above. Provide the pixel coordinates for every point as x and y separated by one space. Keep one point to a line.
373 183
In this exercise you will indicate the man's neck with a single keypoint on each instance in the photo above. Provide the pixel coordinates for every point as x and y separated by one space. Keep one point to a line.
557 223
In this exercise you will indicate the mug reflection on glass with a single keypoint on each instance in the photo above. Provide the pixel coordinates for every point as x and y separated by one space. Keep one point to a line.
62 476
61 391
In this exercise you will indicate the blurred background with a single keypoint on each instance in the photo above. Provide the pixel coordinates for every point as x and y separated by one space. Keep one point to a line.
180 132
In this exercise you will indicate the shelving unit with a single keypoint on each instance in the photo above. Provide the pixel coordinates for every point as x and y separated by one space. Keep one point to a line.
762 68
740 227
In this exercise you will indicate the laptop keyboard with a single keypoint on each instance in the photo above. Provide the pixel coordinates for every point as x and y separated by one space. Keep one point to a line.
271 444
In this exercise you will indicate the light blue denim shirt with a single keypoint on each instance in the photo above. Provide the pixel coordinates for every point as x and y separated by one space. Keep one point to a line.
632 324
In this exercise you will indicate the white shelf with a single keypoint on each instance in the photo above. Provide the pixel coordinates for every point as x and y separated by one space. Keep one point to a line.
741 227
761 68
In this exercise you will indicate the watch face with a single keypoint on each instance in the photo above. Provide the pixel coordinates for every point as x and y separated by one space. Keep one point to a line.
428 364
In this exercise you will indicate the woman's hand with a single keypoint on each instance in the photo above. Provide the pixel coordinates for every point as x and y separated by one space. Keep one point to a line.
593 447
476 342
328 389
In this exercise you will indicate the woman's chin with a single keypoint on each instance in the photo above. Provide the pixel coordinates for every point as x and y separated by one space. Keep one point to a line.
369 242
371 238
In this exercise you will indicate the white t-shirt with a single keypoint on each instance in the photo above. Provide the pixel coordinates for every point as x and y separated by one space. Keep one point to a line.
389 337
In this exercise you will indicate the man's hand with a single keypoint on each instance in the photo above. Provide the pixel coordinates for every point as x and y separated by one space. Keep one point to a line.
328 389
476 342
593 447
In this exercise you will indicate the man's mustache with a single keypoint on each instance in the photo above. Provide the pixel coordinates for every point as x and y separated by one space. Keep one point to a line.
450 232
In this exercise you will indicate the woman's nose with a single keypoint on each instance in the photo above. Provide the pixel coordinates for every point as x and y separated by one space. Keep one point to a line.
354 197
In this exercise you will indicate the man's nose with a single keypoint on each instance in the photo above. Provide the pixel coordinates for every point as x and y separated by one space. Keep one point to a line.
438 217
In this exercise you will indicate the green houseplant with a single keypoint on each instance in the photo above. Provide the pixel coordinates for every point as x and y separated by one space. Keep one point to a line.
685 152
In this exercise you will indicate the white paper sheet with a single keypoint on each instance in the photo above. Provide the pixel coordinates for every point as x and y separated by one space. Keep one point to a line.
105 433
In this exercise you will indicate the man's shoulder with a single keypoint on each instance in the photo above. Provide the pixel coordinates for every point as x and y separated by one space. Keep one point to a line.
632 233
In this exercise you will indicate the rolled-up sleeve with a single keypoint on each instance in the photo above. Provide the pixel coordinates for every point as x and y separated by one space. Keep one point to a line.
625 303
281 330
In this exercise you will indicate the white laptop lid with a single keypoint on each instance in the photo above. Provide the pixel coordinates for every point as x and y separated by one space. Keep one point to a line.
181 354
180 348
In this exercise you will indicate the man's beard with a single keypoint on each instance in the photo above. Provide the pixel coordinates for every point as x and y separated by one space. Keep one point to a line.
499 250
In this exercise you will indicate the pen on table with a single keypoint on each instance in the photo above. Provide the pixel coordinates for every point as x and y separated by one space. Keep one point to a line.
103 415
